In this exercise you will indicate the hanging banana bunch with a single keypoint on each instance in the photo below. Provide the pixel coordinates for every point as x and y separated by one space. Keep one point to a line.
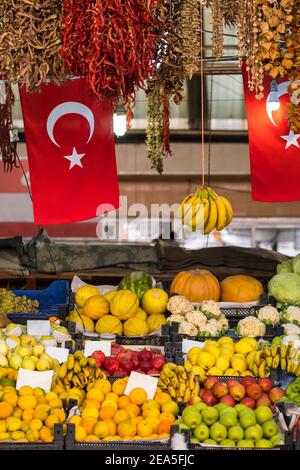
204 210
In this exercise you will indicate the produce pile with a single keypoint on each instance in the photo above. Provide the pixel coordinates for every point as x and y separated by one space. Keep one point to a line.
121 312
11 303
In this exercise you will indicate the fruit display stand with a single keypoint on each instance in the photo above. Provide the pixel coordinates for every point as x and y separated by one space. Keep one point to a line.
57 444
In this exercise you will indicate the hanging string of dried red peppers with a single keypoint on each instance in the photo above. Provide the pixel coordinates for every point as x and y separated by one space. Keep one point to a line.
8 152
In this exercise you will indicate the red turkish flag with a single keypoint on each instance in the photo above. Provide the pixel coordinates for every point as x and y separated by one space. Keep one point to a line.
70 146
274 148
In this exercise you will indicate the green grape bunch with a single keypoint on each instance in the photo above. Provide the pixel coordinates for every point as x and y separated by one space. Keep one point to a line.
11 303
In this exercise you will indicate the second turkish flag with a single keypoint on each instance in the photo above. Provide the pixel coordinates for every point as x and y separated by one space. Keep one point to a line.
70 146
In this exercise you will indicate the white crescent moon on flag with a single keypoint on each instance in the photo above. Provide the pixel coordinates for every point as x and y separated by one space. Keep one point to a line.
282 90
69 107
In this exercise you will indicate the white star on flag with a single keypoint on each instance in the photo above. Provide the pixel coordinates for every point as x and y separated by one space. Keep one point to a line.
75 158
291 139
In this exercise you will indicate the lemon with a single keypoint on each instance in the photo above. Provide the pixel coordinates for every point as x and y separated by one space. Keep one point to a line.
225 340
206 360
225 351
238 363
215 371
243 347
222 363
231 372
214 350
211 342
247 372
193 358
251 341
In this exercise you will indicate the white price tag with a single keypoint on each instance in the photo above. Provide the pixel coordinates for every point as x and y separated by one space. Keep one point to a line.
61 354
91 346
38 328
35 379
147 382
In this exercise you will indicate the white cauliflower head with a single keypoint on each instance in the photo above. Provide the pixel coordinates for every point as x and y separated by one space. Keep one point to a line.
211 309
196 317
212 328
224 322
292 315
269 315
175 319
251 326
291 329
186 328
179 305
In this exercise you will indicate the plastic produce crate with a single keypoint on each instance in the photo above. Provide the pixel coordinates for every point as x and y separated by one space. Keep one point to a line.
71 444
57 444
53 302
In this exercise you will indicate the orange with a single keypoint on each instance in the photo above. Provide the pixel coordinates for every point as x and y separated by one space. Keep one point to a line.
138 396
89 424
92 403
150 405
112 403
90 413
164 426
107 412
112 396
137 419
2 425
28 414
154 422
45 434
153 436
42 400
26 390
111 426
132 410
104 385
27 401
41 412
18 435
151 413
59 412
96 393
162 398
10 397
32 436
56 403
39 392
166 415
49 439
164 435
144 428
5 436
9 388
51 421
91 438
51 395
75 420
58 389
13 424
25 426
6 410
101 429
119 386
170 407
36 425
123 402
80 433
17 413
127 428
121 415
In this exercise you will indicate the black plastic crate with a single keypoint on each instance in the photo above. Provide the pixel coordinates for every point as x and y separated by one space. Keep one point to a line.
57 444
71 444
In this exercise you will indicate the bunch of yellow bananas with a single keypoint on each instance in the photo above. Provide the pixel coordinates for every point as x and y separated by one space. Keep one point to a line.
78 371
180 383
285 357
204 210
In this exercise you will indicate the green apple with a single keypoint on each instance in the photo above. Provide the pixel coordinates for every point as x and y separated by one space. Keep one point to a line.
218 432
201 432
245 443
254 432
28 363
269 428
178 421
210 415
247 418
221 407
236 433
182 426
228 418
191 418
240 407
227 443
263 443
278 439
200 406
194 440
263 414
212 442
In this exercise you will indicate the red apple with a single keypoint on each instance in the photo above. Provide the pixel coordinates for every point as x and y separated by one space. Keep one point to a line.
209 382
153 372
265 383
254 391
232 382
115 349
276 394
158 361
237 391
220 389
99 356
111 365
145 355
126 365
125 355
145 366
250 402
194 399
202 390
228 399
248 380
209 398
264 400
135 360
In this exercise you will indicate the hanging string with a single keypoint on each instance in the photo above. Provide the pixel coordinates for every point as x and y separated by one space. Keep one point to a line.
202 97
210 128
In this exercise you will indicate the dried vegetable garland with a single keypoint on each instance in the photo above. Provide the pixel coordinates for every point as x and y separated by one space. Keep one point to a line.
30 41
294 72
112 42
8 152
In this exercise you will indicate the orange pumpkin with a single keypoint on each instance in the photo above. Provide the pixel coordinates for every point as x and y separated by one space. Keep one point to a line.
197 285
240 289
